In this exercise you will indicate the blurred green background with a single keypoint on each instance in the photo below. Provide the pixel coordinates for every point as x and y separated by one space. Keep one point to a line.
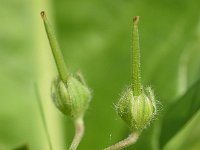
95 37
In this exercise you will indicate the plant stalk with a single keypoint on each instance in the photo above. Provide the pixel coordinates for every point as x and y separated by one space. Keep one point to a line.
38 97
131 139
58 57
136 70
79 131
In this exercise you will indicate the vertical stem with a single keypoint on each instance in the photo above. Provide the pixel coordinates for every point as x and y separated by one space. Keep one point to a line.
131 139
79 127
58 57
43 62
38 97
136 71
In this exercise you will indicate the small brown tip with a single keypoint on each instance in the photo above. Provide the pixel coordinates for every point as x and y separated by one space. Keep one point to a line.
136 20
42 13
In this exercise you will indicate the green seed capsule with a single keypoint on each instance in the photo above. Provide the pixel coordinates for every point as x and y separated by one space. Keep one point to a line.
137 106
137 111
71 98
70 93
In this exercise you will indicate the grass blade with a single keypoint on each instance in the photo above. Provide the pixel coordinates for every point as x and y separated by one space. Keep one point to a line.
38 97
179 113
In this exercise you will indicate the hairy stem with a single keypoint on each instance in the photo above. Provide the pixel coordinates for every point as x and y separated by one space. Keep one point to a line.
136 70
58 57
131 139
79 127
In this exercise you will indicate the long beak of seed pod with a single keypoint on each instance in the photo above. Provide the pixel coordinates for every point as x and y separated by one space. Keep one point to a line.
136 71
58 57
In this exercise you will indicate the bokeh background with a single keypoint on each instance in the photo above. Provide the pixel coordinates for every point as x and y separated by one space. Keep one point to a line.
95 37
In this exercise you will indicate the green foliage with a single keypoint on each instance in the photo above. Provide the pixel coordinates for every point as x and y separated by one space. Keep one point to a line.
95 38
178 114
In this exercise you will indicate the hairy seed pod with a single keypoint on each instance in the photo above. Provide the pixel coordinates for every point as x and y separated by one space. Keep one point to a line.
71 98
70 93
137 111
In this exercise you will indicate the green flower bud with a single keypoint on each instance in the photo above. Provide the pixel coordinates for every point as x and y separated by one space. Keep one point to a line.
70 93
137 111
137 105
71 98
